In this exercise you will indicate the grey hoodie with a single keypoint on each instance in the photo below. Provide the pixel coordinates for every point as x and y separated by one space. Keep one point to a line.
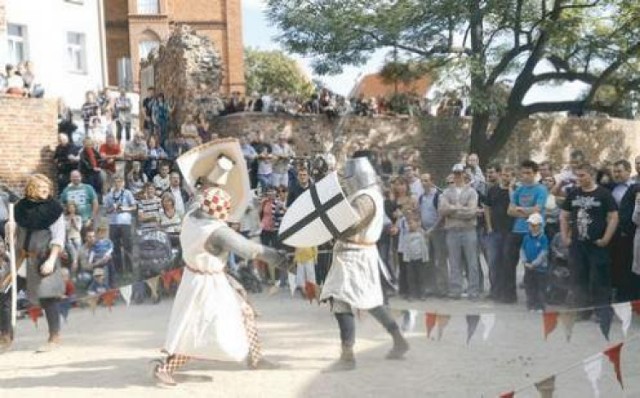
466 199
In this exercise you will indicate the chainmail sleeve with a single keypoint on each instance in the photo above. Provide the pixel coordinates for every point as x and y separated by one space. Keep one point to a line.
226 239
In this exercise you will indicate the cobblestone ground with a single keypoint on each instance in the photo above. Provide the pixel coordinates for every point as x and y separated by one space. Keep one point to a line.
108 353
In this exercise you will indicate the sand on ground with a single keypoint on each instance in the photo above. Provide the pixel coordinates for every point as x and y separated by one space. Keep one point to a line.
109 353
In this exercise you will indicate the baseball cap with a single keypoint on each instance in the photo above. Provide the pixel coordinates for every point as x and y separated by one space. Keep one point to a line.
458 168
535 218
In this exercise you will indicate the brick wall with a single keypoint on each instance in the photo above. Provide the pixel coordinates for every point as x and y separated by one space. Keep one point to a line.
442 141
28 133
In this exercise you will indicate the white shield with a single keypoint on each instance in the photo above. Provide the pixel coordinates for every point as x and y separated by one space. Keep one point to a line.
320 214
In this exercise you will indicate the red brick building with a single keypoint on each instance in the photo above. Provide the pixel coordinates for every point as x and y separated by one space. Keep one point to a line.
135 27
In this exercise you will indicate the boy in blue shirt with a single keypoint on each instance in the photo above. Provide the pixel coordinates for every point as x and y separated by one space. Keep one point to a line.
534 255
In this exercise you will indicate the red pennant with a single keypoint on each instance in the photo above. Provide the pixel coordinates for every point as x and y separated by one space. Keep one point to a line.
430 320
613 354
509 394
177 275
635 305
167 278
550 320
109 297
310 291
34 312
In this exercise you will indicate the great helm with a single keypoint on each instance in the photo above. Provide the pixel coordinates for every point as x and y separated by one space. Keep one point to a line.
358 174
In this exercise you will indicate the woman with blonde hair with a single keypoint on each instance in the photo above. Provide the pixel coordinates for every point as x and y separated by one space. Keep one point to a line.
39 233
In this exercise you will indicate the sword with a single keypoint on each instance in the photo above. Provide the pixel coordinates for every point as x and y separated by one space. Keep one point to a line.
14 273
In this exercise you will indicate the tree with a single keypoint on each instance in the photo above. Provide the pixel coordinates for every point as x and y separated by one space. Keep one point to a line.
266 71
522 43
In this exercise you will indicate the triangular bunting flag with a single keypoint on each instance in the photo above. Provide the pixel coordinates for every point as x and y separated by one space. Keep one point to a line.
153 286
167 278
488 321
93 303
623 312
472 325
613 354
442 321
64 306
593 368
408 323
310 291
177 275
430 320
546 387
109 297
291 278
636 306
568 319
125 293
35 312
550 321
509 394
605 316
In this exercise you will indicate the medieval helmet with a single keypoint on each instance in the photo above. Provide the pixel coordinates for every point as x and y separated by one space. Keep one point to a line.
358 174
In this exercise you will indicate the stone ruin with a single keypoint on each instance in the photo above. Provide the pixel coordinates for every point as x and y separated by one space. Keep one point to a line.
188 70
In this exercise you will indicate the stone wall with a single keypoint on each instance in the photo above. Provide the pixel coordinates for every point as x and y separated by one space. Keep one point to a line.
442 141
28 137
188 70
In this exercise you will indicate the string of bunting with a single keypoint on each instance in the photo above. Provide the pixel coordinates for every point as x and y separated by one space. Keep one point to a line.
109 297
592 367
408 319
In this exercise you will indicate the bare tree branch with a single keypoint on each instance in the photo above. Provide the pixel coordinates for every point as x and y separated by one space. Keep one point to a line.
505 61
568 76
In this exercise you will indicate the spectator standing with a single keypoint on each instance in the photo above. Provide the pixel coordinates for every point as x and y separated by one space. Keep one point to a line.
180 195
160 113
566 180
110 152
416 255
458 205
545 169
415 185
304 182
530 197
123 108
499 225
269 233
73 229
621 247
136 149
588 222
89 165
147 106
84 196
250 155
478 182
551 209
90 110
265 164
155 154
534 255
282 153
149 208
432 224
65 120
404 206
162 180
66 159
119 204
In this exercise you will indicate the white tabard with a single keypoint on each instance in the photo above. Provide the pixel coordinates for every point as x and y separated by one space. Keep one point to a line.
354 276
206 319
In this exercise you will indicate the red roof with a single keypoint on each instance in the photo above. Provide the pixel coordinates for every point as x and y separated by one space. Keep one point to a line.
373 85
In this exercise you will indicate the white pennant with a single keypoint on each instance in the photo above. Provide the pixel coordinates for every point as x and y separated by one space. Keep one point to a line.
292 282
593 368
125 292
623 311
409 321
488 321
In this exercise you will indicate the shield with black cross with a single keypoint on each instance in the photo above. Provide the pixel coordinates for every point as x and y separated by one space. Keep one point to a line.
318 215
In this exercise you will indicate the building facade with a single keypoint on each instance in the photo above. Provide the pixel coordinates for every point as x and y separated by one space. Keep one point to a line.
63 39
136 27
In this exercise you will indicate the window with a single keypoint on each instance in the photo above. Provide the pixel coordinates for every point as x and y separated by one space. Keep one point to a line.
148 7
18 45
76 52
146 46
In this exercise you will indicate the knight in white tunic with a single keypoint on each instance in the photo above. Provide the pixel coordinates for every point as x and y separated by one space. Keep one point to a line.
211 317
353 280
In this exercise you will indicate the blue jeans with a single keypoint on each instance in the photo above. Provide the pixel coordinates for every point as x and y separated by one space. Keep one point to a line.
462 245
496 244
264 180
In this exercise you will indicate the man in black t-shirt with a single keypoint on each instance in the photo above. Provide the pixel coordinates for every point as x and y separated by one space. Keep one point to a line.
499 225
588 221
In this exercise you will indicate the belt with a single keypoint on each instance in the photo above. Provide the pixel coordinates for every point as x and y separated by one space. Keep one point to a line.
351 242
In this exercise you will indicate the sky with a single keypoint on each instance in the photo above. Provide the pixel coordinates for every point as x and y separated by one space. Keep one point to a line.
259 33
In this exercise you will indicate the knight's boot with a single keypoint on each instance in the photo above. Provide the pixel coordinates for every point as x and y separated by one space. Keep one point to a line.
346 362
400 346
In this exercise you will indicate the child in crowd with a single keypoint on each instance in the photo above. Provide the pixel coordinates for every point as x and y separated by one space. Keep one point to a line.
98 284
101 255
73 225
416 255
305 258
534 255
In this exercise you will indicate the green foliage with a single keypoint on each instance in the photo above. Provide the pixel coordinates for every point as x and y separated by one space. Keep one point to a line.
268 71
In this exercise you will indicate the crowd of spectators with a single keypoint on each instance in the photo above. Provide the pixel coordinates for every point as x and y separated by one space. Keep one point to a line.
20 81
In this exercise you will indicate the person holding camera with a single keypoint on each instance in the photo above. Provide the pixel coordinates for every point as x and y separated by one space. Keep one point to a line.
119 203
